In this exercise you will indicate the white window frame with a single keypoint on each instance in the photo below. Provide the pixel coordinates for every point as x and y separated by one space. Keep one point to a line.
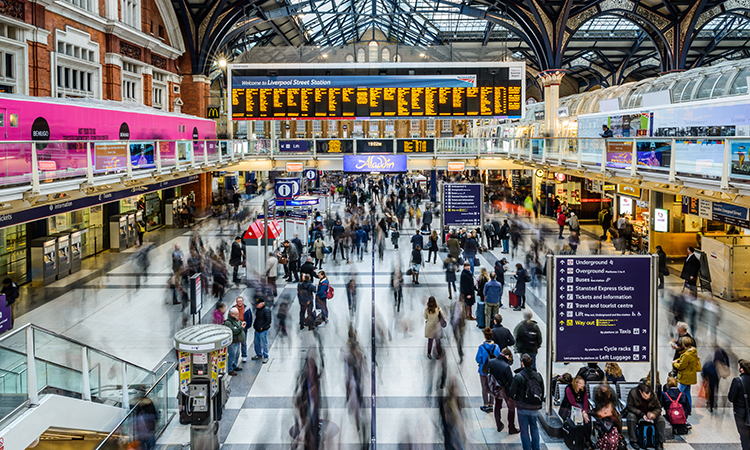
317 126
132 81
91 6
159 84
131 13
13 44
78 56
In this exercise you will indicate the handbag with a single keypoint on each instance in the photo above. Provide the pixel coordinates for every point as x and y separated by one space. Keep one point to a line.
284 260
443 324
703 392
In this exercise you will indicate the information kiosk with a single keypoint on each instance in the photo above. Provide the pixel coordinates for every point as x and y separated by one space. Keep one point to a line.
204 388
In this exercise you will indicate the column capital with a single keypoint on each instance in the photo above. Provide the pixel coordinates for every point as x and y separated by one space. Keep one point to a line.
552 76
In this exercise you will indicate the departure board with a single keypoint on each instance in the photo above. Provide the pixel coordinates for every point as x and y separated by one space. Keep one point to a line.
333 97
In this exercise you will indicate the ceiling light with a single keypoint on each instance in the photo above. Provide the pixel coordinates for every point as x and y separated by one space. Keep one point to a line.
325 55
421 55
222 63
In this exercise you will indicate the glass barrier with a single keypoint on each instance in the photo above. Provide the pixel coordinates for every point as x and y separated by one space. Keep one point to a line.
703 157
654 155
619 153
591 150
13 387
58 362
456 145
106 378
153 411
15 163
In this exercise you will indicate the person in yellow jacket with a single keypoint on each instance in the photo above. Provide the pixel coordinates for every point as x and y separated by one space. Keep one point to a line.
687 366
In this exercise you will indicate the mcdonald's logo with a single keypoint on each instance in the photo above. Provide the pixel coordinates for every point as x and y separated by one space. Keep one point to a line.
212 112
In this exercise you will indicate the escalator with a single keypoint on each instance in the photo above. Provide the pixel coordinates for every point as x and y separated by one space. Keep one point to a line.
56 391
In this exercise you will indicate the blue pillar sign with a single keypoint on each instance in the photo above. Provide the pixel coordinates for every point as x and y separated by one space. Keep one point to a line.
602 308
311 174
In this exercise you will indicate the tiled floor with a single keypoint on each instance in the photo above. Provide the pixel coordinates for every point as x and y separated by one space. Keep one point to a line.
106 312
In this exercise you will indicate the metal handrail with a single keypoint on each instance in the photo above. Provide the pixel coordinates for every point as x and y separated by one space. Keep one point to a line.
71 340
122 422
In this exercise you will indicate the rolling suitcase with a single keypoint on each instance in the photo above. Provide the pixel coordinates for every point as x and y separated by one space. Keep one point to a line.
480 315
512 299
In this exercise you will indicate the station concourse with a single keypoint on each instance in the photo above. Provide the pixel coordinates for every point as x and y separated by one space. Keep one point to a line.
168 169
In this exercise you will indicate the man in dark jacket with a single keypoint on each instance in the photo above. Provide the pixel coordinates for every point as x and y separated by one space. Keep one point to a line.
529 399
297 243
737 390
338 239
643 405
305 293
690 272
591 372
466 289
496 236
663 270
10 290
489 234
528 337
501 335
606 223
500 368
236 258
238 339
308 268
417 240
427 219
261 326
504 235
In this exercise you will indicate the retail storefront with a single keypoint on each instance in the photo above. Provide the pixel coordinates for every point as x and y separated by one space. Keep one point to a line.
633 202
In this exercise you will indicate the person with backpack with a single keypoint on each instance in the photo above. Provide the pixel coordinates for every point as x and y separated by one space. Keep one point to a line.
687 366
487 350
322 295
574 412
261 326
528 337
676 405
591 372
527 391
738 393
646 425
305 292
522 277
501 371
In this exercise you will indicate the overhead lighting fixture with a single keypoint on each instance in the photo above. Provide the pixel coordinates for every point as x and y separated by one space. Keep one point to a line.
222 63
325 55
421 55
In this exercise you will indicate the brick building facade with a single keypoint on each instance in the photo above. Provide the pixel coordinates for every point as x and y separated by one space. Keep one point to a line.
121 50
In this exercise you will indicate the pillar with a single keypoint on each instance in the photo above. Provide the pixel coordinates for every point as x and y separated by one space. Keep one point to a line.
433 186
551 82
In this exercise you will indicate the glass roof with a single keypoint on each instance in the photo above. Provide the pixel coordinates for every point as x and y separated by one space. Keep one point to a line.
608 23
734 24
412 22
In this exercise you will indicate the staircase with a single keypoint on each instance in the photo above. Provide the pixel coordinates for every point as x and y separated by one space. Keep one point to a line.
49 381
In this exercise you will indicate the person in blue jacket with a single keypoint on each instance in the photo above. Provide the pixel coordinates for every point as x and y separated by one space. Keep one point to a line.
360 242
321 300
488 350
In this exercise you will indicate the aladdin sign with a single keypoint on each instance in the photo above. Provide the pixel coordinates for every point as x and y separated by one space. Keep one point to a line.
374 163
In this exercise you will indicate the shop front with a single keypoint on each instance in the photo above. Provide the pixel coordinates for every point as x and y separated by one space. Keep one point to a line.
633 203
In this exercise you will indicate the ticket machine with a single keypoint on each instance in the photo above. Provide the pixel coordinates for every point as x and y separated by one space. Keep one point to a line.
204 387
118 232
63 255
132 230
170 212
44 260
75 251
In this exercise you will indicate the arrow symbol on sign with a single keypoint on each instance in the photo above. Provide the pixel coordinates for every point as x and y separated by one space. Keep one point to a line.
562 296
562 314
562 280
562 305
562 270
562 322
562 288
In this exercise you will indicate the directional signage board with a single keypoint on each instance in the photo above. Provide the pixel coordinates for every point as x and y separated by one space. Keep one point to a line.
603 308
286 188
462 205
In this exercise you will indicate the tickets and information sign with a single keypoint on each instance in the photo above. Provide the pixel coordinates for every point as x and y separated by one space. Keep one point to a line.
602 308
462 205
389 96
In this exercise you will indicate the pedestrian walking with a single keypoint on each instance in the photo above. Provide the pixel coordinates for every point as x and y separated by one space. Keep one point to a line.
738 396
261 326
527 390
433 327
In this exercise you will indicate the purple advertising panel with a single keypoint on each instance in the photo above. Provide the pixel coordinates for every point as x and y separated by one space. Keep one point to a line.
4 315
374 163
462 205
602 308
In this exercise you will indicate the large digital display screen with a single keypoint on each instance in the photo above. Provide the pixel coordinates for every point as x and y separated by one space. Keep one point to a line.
339 97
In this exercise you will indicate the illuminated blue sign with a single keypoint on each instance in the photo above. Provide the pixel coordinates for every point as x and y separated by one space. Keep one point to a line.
374 163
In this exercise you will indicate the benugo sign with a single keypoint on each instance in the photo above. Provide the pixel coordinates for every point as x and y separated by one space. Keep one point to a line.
456 166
